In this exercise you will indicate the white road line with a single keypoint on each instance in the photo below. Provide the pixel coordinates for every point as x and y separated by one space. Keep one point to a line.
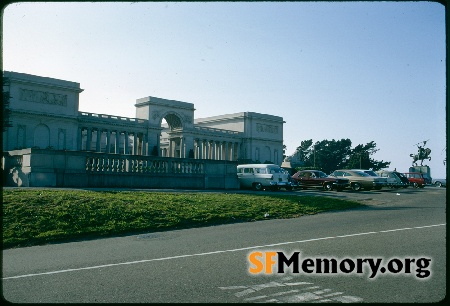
218 252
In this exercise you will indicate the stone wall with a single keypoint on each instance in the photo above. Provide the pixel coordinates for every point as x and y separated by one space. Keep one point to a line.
57 168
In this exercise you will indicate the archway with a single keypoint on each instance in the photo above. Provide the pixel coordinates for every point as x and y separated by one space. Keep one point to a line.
171 143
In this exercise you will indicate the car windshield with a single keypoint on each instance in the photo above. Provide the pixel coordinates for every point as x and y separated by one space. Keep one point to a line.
358 173
320 174
371 173
399 174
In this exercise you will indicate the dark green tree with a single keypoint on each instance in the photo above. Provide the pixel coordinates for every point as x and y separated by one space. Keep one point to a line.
329 155
325 155
304 151
359 158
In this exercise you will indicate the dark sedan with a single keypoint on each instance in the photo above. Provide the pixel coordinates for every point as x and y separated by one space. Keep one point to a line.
318 179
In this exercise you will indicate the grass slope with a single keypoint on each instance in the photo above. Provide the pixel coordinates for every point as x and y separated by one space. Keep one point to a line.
32 217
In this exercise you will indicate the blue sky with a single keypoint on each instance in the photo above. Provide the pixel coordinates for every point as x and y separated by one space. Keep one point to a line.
367 71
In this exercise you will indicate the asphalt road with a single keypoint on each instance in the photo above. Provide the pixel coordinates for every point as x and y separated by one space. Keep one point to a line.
211 264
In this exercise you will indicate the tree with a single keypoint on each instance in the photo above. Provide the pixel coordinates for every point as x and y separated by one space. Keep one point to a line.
360 158
330 155
326 155
304 151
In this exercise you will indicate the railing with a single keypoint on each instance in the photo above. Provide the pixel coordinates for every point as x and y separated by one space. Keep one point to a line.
111 117
61 168
215 130
141 164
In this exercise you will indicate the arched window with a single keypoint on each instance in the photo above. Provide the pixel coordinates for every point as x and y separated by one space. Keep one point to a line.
61 139
42 136
21 137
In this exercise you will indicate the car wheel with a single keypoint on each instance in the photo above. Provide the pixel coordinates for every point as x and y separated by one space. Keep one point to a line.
257 186
415 185
356 186
378 188
327 186
438 184
289 188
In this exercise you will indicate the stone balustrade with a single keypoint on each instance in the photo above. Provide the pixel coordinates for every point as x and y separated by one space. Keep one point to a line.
111 118
60 168
216 131
111 163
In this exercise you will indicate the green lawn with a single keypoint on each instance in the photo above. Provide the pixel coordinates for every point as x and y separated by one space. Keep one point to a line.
32 217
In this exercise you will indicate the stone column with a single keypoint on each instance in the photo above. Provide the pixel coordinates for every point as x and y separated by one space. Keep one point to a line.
195 148
116 146
214 155
125 142
97 144
79 138
221 150
170 148
108 141
144 144
232 151
88 139
182 147
135 144
226 157
158 142
199 149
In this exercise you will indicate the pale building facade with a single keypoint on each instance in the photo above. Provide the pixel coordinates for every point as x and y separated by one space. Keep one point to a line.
45 114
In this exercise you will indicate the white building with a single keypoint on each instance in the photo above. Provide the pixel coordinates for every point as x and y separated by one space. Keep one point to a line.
45 114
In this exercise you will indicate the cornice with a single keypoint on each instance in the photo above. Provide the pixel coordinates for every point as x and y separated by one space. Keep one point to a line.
39 114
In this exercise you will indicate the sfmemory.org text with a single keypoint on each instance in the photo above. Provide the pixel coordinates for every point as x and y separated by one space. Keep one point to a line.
278 262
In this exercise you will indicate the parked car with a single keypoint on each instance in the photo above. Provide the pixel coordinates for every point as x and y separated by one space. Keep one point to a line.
416 179
439 182
393 179
316 178
263 176
387 181
404 179
360 180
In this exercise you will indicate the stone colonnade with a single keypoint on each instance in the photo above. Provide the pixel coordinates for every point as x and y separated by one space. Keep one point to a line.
121 141
112 141
218 150
203 149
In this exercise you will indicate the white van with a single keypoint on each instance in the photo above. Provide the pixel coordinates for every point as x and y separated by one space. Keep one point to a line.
261 176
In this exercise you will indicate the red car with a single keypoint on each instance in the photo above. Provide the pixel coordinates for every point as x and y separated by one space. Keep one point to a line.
316 178
416 179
